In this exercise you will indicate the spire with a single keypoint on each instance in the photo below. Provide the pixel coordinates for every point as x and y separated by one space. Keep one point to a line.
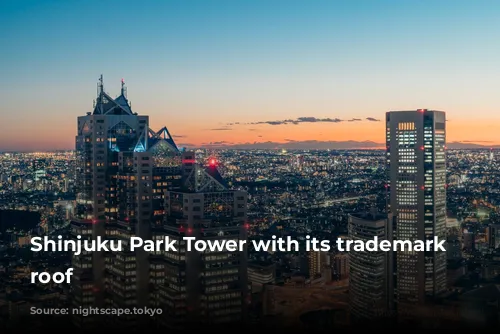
124 89
100 98
100 86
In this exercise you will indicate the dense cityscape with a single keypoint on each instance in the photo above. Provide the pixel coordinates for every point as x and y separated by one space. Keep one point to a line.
294 193
367 129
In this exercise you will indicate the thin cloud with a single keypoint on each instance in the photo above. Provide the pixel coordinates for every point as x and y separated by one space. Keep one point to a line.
218 143
221 129
475 141
297 121
321 120
307 144
300 120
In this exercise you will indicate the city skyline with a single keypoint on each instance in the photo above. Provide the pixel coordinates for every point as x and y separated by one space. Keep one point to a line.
249 165
231 74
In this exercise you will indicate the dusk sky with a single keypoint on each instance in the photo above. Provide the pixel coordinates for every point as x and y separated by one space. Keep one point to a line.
197 66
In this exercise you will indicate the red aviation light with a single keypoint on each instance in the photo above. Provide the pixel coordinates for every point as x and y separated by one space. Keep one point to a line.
247 226
181 229
94 221
212 162
189 230
421 110
422 148
422 187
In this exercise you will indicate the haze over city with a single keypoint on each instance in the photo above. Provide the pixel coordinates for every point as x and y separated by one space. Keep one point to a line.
282 73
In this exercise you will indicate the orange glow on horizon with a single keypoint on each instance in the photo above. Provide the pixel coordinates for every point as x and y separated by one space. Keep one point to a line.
198 133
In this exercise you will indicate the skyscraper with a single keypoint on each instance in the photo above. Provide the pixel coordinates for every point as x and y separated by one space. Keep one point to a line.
370 272
129 182
204 287
111 128
417 180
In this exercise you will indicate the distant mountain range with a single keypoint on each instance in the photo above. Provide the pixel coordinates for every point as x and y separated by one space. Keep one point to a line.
333 145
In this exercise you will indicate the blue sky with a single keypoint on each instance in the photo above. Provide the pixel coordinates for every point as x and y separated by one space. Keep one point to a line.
223 61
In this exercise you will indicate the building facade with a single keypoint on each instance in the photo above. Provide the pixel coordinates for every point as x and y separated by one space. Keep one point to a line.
370 272
207 287
135 182
417 181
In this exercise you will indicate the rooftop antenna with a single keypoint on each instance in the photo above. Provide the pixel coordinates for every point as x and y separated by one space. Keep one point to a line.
124 89
100 91
100 86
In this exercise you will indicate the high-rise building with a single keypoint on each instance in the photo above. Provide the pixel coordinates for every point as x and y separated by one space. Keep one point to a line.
370 272
133 181
417 180
111 128
204 287
141 181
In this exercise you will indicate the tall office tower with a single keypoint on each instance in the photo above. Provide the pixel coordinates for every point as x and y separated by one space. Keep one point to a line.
127 274
370 272
417 179
111 128
142 179
204 287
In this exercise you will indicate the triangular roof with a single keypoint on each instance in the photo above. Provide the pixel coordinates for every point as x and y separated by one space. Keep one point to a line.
205 179
163 135
214 173
123 103
150 140
106 105
142 143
